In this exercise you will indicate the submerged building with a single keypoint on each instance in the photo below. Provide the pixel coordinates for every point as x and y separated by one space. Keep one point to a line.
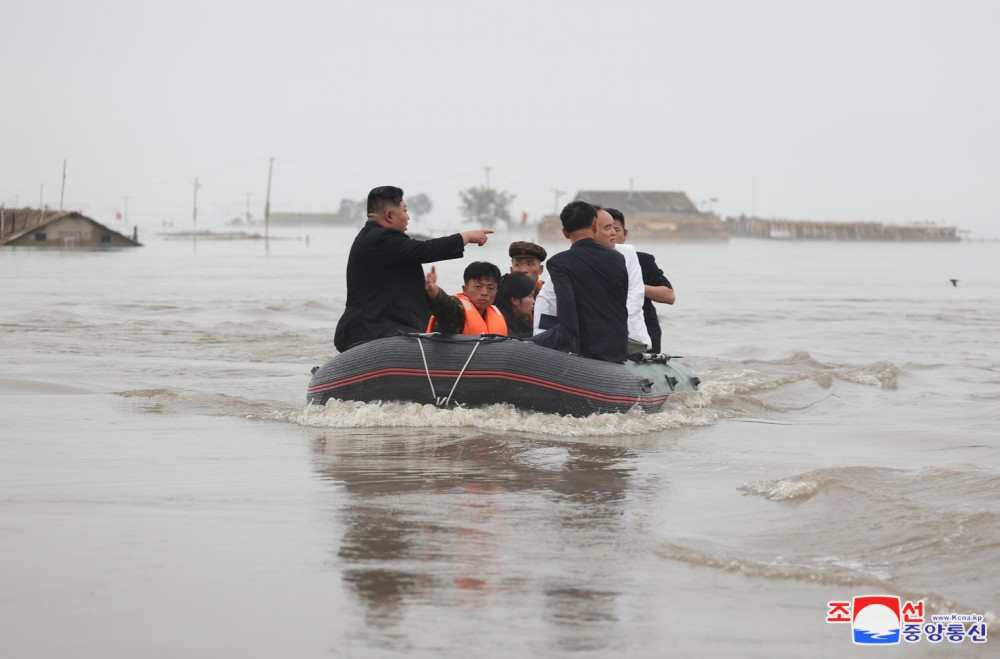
30 227
772 229
650 215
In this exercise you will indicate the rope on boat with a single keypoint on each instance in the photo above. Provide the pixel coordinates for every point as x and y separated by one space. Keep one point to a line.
447 401
462 372
427 370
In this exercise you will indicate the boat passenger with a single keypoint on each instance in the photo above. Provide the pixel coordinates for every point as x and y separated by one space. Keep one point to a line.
385 275
527 257
516 301
657 287
471 311
588 292
604 234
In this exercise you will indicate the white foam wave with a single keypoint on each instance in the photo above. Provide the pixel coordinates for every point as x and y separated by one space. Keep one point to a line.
782 490
880 374
354 414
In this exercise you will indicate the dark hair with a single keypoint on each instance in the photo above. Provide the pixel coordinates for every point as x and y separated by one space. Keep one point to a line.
616 215
515 285
382 197
577 215
481 270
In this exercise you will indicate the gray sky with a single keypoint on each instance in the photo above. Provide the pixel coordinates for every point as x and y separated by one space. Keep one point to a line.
882 110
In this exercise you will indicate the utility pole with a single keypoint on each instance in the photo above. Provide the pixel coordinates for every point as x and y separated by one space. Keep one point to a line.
194 214
557 193
248 208
125 214
267 200
41 195
63 190
487 170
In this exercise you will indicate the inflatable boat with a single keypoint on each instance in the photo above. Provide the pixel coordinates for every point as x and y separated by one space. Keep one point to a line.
472 371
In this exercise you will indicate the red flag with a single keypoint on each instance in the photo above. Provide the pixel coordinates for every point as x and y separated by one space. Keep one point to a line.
524 217
118 215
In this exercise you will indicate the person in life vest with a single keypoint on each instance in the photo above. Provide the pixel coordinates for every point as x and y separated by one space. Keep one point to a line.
472 310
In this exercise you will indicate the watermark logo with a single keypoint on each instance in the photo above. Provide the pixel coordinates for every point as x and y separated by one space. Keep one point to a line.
888 620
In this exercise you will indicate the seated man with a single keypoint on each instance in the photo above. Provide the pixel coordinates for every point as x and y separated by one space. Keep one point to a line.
472 310
590 286
516 301
604 234
527 258
657 288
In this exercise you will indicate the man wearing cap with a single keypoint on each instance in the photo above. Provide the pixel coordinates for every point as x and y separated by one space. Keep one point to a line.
385 277
527 258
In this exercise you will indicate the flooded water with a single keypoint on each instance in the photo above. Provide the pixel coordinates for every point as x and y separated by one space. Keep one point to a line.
165 491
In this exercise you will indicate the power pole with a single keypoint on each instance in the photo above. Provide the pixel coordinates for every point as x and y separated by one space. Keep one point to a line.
557 193
194 214
487 170
248 208
63 190
267 200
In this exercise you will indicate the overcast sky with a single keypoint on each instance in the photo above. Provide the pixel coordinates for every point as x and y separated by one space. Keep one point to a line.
878 110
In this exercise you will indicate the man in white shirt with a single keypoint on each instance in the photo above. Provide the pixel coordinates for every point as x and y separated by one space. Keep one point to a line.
638 337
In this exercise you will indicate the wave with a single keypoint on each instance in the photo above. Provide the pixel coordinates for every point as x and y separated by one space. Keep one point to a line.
874 526
728 391
500 417
823 569
925 487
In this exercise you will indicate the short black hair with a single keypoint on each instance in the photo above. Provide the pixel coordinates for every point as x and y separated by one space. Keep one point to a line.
382 197
515 285
577 215
616 215
481 270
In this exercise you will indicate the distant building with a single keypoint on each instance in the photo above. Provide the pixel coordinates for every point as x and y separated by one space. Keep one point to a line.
756 227
650 215
30 227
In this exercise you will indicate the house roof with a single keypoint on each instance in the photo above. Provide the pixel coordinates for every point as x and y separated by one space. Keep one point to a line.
21 221
647 202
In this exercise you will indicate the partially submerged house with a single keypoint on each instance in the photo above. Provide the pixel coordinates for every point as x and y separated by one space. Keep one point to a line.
30 227
650 215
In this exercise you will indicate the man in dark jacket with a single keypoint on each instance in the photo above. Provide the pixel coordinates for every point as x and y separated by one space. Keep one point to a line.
385 277
658 287
591 287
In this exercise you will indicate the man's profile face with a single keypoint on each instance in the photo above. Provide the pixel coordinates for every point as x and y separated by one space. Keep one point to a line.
399 216
529 265
605 227
620 233
481 292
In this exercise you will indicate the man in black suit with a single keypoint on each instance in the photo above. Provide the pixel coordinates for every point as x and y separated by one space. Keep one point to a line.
385 277
591 288
658 287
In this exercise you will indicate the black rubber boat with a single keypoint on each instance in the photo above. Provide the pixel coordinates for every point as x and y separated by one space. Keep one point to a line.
472 371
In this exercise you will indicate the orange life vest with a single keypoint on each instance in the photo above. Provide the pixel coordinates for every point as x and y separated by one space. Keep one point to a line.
475 324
